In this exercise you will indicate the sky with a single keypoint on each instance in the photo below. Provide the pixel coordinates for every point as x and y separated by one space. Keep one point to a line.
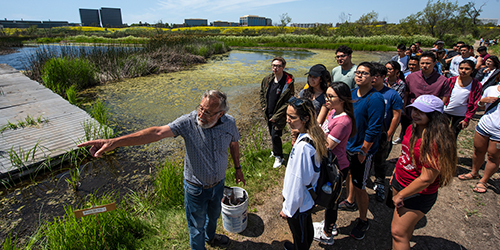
175 11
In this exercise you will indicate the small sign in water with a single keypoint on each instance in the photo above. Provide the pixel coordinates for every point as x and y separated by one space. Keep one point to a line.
95 210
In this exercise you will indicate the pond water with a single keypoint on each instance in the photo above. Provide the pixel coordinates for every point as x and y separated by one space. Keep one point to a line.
152 101
19 60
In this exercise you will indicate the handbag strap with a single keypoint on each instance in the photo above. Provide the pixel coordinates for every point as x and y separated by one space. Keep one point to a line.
495 103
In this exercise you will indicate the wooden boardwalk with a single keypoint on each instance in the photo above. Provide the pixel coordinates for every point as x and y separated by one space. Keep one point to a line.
20 97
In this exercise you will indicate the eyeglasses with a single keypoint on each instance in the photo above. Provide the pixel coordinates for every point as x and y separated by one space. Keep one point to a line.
205 113
296 101
340 56
329 97
389 69
362 73
276 65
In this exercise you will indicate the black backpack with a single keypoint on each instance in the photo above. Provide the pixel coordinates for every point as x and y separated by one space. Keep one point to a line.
329 172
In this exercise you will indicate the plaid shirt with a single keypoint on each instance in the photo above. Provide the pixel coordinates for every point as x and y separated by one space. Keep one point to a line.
399 86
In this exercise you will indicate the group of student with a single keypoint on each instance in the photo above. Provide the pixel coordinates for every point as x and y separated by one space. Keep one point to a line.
354 113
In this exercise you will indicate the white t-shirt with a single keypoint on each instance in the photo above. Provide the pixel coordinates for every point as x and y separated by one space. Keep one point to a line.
490 121
403 61
458 100
456 61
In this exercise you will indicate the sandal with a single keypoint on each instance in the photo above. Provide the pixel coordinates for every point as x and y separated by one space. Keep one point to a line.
469 176
481 187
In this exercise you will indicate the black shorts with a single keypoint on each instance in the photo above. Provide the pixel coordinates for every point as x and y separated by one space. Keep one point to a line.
420 202
359 171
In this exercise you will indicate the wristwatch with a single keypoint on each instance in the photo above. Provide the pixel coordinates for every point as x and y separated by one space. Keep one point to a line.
361 152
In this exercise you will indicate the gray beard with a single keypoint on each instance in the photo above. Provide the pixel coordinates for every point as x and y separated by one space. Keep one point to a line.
198 119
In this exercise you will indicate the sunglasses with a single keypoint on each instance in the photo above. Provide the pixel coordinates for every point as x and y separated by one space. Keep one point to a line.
296 101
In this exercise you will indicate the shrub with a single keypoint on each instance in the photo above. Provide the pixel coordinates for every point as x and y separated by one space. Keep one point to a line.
59 74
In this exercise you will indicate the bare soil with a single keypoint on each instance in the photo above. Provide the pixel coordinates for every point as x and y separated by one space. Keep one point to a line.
460 219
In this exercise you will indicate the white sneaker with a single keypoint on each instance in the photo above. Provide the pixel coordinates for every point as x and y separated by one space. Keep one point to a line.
318 227
277 162
320 236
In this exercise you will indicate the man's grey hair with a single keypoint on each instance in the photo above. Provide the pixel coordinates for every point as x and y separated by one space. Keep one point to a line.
220 96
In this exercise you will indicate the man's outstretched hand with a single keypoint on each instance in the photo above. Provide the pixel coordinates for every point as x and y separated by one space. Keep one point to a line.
99 147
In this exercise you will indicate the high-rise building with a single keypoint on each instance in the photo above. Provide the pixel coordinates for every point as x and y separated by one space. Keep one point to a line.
90 17
111 17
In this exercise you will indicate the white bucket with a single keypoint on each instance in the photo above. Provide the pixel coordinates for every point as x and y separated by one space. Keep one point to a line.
234 218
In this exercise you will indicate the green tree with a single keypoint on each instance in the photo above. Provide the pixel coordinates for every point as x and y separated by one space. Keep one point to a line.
437 17
284 21
471 11
410 25
365 25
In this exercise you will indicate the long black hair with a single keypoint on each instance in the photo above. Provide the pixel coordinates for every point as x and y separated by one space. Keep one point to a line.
326 78
396 66
344 93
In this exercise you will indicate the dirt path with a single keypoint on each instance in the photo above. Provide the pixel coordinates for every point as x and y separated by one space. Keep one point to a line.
460 219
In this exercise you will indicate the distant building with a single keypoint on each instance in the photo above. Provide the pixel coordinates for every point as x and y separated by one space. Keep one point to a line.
493 21
224 24
90 17
111 17
195 22
251 20
22 24
309 25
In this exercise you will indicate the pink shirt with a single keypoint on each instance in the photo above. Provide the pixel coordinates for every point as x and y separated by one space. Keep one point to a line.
406 172
338 128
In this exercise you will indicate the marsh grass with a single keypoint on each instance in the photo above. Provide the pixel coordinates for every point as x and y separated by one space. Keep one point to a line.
28 121
101 127
22 158
74 178
118 229
169 184
372 43
60 67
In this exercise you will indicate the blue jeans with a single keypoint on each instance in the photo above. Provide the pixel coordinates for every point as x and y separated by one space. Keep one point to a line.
203 208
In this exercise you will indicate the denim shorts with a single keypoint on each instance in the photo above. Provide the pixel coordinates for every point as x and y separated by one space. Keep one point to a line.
492 136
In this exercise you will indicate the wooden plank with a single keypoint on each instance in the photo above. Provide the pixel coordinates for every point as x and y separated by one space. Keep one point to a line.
20 97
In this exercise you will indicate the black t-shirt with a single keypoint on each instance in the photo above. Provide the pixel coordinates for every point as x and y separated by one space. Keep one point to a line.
451 54
273 94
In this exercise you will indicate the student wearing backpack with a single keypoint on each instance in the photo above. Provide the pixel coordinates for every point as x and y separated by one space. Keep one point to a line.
338 123
302 169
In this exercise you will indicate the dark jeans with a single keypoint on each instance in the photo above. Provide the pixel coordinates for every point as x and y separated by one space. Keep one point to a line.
331 214
379 163
455 124
276 139
302 229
